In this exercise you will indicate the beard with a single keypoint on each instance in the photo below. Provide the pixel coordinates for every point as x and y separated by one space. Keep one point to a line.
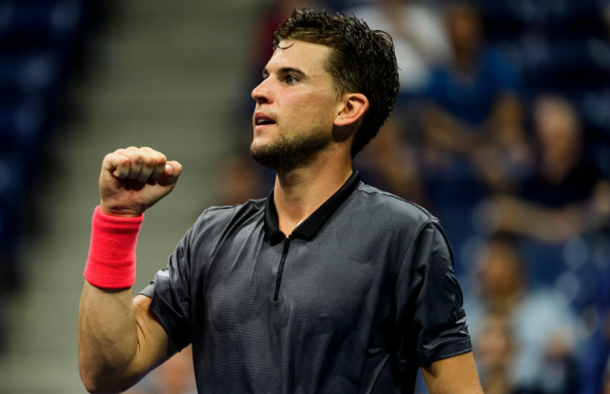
289 154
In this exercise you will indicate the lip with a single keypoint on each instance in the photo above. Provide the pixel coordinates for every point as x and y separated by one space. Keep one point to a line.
258 116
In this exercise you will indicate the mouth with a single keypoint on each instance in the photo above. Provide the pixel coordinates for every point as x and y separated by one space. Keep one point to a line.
261 119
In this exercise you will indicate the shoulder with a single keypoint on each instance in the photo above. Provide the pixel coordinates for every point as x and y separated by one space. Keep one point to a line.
219 217
390 214
379 202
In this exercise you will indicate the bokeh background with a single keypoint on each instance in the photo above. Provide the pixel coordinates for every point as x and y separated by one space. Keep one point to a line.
501 129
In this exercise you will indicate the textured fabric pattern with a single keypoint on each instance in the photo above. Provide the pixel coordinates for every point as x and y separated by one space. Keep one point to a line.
362 303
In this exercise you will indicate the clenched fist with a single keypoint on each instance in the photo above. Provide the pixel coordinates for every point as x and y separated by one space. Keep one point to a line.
134 179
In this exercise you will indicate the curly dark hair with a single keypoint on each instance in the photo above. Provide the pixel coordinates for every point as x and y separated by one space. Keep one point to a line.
362 61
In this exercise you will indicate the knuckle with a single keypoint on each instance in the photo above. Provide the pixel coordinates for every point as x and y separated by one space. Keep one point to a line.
137 159
149 161
161 159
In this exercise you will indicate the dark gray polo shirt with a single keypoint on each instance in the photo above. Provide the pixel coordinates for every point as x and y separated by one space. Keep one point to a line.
357 299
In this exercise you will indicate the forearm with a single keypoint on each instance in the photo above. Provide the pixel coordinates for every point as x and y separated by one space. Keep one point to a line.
454 375
119 337
107 339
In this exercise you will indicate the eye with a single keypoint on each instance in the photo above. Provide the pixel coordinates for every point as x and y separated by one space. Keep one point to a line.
291 79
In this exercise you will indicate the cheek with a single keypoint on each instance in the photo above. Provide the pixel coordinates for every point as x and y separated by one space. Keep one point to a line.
324 107
312 109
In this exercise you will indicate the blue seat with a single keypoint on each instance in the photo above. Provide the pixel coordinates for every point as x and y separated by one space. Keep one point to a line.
508 19
593 106
23 126
30 73
40 23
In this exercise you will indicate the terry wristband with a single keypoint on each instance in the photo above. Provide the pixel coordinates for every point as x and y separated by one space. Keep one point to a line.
111 263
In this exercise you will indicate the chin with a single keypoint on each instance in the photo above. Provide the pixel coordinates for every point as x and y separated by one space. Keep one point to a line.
260 141
256 145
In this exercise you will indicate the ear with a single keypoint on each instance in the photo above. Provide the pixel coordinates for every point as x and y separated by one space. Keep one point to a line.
354 105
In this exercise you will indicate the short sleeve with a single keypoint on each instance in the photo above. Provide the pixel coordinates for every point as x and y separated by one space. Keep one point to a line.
171 295
430 301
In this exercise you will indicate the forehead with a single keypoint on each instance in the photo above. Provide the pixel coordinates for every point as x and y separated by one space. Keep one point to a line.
306 56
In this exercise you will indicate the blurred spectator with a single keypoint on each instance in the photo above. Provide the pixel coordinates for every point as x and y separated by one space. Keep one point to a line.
507 156
421 42
494 352
418 33
542 323
474 105
390 163
594 329
565 194
476 82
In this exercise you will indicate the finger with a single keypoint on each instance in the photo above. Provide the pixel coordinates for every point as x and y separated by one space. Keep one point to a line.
130 167
136 162
160 162
117 164
148 165
171 173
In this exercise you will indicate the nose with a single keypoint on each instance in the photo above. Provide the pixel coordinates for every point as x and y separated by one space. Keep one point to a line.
261 94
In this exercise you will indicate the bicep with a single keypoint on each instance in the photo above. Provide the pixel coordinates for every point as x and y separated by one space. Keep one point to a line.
455 374
154 344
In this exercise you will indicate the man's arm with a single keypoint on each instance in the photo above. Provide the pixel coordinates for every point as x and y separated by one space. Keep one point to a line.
453 375
119 337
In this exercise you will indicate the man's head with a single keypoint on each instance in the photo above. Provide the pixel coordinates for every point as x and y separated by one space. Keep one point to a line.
297 110
464 26
557 127
360 60
500 269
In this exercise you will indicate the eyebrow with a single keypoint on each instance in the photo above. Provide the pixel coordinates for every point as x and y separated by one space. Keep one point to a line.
286 70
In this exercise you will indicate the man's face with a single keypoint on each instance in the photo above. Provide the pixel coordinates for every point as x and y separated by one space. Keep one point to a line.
296 105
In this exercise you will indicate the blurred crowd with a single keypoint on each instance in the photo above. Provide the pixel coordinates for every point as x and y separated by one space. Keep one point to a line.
501 130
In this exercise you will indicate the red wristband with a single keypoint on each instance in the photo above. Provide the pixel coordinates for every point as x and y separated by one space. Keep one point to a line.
112 253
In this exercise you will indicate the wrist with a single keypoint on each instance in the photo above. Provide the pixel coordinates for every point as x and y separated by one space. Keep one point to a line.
119 212
111 262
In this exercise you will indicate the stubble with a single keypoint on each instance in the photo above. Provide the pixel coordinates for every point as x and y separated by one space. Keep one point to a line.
289 154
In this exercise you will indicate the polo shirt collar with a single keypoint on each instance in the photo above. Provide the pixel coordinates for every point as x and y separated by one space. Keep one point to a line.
310 226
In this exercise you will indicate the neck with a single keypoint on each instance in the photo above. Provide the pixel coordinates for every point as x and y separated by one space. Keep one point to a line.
299 192
507 301
557 163
465 60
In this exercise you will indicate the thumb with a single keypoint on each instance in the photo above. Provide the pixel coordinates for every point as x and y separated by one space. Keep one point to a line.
172 172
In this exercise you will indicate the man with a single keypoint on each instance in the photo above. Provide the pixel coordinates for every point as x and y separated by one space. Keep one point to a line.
326 286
